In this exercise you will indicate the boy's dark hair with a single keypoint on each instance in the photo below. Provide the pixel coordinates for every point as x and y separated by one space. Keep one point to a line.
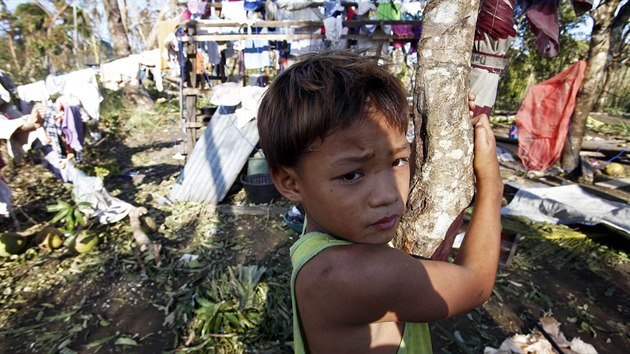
323 92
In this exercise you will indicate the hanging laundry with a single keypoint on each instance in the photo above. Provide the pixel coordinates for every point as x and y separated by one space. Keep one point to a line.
402 31
334 27
253 5
118 73
214 55
494 33
52 127
364 7
83 86
388 11
307 14
543 21
197 8
412 10
542 16
54 84
72 129
332 8
256 53
35 92
186 15
234 10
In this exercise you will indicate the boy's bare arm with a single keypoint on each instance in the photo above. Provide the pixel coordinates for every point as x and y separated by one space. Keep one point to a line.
360 284
479 253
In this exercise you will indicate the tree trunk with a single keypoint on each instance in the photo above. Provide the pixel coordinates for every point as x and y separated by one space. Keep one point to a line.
10 35
120 41
442 185
151 40
616 53
598 53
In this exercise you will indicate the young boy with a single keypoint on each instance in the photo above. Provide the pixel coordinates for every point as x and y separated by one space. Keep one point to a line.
332 127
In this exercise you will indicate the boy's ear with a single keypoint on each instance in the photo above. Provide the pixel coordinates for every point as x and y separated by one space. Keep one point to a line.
286 181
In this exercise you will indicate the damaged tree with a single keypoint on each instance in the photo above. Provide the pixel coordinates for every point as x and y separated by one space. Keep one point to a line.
117 26
604 24
442 185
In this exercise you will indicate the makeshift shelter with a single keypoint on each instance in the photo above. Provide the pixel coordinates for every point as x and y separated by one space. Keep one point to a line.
216 160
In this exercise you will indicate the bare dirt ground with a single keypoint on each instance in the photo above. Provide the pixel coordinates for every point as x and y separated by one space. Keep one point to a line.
115 299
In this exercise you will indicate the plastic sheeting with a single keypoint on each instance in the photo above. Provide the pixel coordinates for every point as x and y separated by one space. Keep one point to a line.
568 205
544 117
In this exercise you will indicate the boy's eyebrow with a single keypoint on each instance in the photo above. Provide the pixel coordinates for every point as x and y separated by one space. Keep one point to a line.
364 156
354 158
402 148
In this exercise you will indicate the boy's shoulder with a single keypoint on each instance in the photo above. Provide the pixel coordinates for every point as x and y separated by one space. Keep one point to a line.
357 284
346 271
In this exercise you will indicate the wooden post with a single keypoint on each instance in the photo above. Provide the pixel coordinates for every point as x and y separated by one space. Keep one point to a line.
191 98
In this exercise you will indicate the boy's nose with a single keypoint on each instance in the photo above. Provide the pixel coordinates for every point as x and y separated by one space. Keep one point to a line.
384 190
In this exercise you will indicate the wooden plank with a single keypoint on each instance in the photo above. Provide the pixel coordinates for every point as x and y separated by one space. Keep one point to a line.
242 36
189 91
299 5
288 37
201 24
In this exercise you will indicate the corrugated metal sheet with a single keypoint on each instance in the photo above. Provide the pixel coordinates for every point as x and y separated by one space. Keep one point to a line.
218 157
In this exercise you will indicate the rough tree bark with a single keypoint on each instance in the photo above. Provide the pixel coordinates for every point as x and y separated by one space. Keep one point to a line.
10 34
151 40
442 185
603 18
120 41
617 54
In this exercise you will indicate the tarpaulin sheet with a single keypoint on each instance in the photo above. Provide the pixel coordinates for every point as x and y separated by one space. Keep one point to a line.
568 205
544 117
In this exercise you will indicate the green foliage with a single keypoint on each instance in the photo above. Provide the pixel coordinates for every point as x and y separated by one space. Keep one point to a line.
41 42
70 216
230 309
527 67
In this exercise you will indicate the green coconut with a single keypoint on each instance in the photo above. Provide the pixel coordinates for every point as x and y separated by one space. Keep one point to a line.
50 238
84 242
614 169
148 224
11 243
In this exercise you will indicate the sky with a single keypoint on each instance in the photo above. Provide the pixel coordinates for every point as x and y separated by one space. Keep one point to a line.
134 8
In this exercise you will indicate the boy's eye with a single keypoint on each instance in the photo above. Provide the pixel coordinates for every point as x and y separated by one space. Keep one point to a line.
400 162
351 177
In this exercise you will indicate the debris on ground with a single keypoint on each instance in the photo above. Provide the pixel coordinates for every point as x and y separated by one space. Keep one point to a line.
545 339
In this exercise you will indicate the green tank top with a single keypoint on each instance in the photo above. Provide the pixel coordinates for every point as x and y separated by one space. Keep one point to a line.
416 338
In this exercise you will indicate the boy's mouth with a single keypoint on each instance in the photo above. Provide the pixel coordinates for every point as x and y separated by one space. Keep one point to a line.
387 222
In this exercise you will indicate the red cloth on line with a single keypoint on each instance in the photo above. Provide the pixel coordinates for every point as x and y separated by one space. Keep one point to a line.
543 20
496 19
544 117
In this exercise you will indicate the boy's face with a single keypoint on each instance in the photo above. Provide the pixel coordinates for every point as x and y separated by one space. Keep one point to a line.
354 185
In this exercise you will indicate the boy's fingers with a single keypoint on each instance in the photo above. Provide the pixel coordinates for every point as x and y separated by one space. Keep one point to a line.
476 119
482 127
